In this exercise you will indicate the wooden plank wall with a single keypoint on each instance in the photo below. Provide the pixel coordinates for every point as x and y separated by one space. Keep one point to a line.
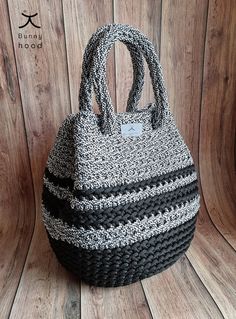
39 87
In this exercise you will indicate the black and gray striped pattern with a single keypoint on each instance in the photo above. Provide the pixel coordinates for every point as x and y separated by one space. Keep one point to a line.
118 209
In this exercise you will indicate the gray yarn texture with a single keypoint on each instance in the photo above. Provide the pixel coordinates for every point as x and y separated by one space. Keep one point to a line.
91 150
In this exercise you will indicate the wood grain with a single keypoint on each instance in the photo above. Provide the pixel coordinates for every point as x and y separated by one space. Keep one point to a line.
112 303
208 247
178 293
144 15
182 51
181 57
214 261
82 18
46 290
218 118
17 209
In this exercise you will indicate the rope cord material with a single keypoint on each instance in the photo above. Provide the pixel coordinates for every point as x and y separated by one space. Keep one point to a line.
85 95
140 43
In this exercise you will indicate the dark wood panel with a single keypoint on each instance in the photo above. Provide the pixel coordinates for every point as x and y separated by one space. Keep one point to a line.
17 209
182 52
218 118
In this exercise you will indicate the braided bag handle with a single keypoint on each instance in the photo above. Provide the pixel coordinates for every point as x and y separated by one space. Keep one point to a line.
85 94
140 42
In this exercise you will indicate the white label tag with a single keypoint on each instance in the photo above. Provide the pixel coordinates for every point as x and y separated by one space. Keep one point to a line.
131 129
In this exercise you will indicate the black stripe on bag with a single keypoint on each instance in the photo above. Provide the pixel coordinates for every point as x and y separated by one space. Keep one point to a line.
59 181
122 189
119 189
60 208
122 266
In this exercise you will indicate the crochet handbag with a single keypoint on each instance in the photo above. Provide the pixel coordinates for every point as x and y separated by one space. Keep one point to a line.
120 196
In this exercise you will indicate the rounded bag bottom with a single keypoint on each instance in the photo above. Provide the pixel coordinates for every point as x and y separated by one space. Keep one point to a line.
125 265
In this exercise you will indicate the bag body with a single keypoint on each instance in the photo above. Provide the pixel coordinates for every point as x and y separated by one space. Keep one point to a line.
120 195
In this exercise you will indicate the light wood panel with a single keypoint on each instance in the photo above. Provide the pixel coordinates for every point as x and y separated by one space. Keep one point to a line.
218 118
46 290
144 15
17 210
82 18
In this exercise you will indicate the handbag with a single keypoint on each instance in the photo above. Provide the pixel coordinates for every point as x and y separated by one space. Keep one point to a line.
120 190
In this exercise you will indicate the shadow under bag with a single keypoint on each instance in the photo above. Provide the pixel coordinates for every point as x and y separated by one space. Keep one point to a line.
120 197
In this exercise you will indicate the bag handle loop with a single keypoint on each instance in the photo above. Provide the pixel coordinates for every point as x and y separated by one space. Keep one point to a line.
140 42
85 94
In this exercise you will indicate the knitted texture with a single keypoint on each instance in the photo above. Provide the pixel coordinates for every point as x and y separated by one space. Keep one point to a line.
118 208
